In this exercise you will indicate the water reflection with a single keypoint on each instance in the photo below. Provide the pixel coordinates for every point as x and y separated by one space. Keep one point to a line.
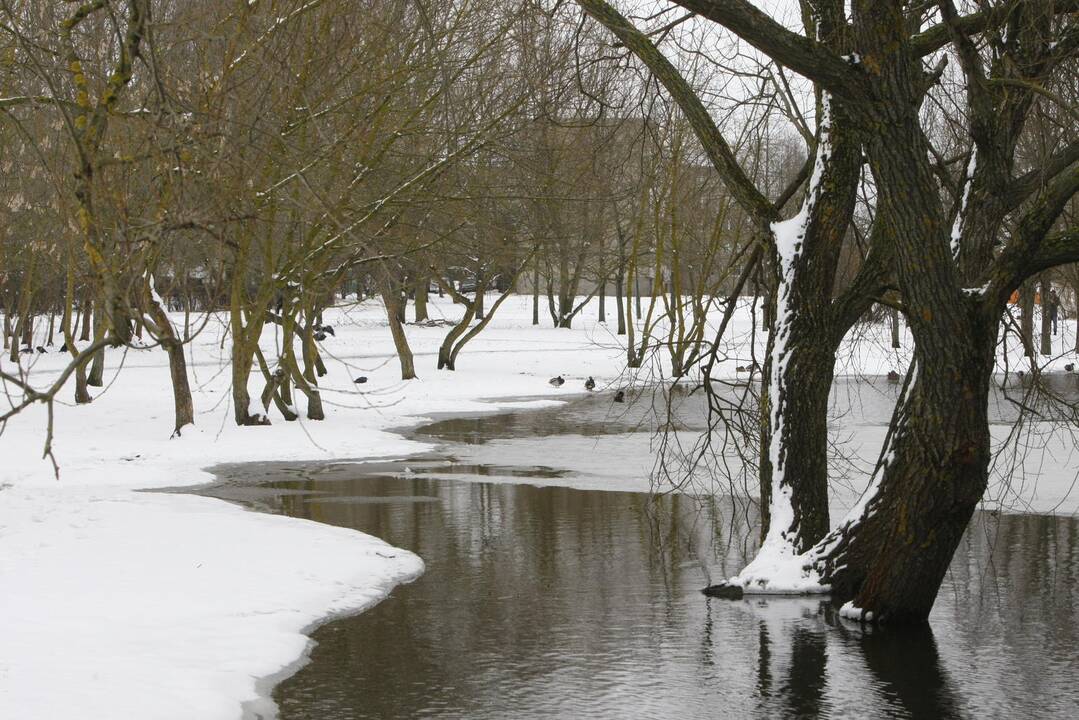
552 602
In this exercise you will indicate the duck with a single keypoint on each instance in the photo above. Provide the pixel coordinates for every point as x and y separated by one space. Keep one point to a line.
620 396
590 384
893 376
557 381
360 380
328 329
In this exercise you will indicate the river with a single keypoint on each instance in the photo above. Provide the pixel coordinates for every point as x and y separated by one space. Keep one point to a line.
548 601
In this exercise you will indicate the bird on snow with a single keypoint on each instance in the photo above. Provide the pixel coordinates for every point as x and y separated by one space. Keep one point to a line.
893 376
360 380
320 336
558 381
1070 367
620 396
41 349
589 384
328 329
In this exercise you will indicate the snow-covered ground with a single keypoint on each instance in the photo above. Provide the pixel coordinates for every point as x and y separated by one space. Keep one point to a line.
120 603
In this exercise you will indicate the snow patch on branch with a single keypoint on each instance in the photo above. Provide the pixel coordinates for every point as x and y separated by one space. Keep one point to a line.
968 180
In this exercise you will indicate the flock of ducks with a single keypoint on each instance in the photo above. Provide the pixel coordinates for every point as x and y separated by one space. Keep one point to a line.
589 385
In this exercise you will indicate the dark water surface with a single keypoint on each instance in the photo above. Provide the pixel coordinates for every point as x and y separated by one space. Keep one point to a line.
550 602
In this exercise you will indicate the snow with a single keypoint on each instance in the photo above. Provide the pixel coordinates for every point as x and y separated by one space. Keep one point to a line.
850 612
960 215
119 603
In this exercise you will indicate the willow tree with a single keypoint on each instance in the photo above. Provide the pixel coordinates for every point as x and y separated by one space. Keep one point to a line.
954 275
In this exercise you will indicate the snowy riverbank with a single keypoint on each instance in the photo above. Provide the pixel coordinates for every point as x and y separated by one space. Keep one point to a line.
117 603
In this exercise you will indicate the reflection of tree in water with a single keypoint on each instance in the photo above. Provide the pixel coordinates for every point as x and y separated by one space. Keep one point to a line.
907 667
902 674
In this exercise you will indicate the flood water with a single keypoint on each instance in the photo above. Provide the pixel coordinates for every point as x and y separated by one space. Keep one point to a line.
553 602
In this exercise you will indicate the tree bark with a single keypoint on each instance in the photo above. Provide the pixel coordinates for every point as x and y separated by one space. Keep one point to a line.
895 328
422 284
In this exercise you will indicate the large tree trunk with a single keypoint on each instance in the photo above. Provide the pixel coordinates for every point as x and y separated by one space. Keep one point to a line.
891 561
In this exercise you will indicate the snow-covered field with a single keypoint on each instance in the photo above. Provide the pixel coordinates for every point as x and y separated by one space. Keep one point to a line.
116 603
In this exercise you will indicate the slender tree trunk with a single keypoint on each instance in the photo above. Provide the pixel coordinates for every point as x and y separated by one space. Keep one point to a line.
619 290
422 284
86 312
97 364
27 324
392 298
1026 317
183 406
603 301
637 294
895 328
535 292
82 392
1047 321
52 327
